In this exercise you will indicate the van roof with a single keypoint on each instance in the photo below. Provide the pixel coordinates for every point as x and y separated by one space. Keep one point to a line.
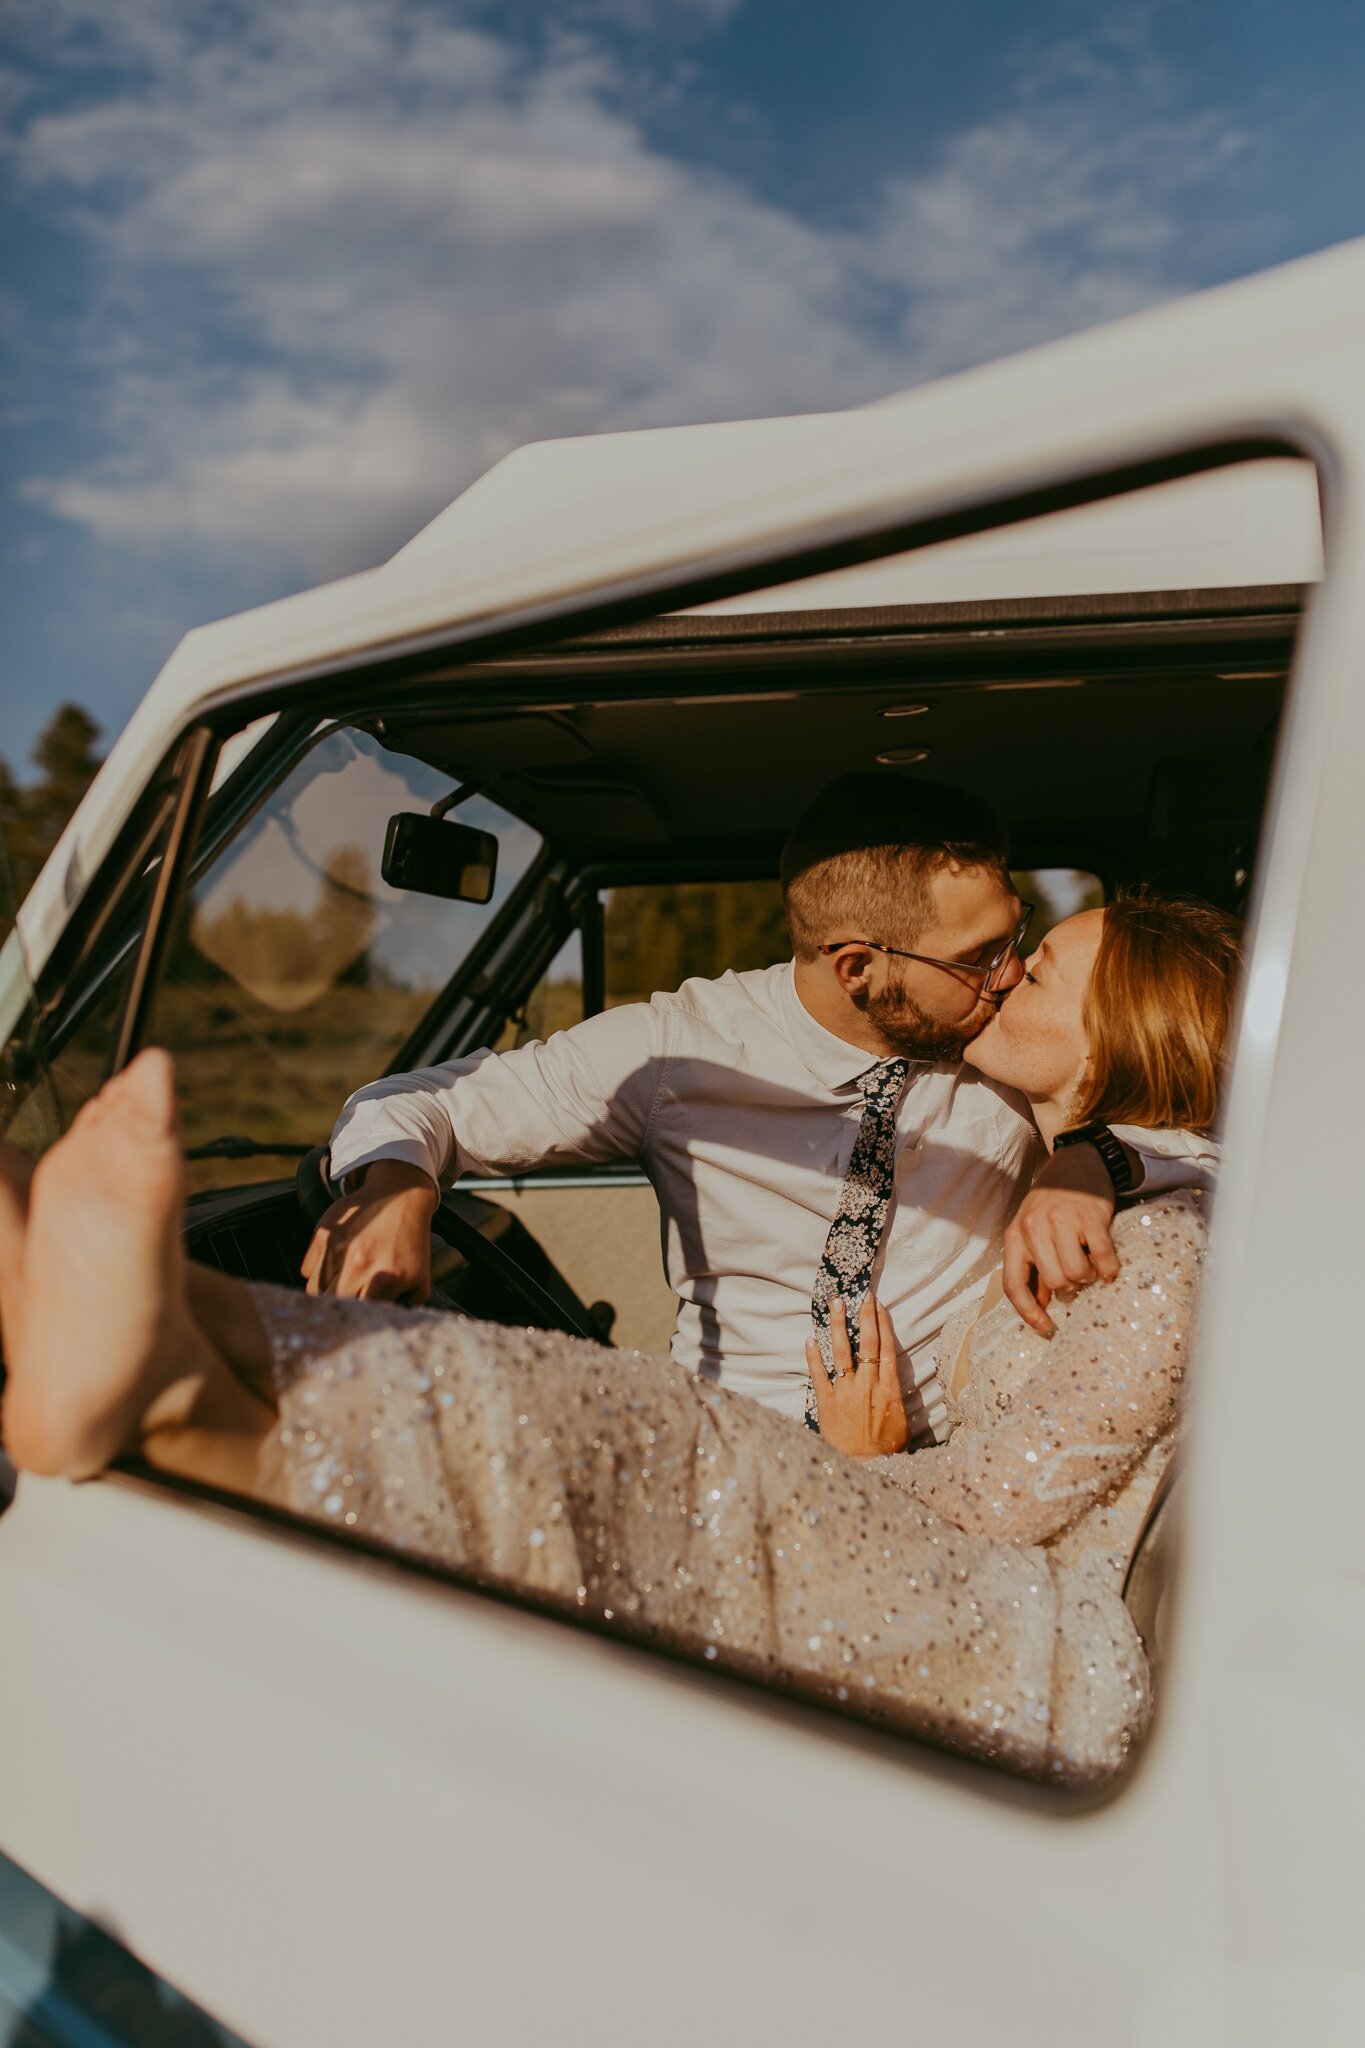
615 513
1237 528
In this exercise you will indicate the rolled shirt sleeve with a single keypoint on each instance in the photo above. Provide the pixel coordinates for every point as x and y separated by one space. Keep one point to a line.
585 1095
1170 1159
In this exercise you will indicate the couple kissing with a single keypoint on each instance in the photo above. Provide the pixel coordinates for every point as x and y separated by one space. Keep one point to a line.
841 1147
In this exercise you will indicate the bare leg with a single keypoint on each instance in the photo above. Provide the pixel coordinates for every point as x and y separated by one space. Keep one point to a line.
103 1351
223 1309
221 1306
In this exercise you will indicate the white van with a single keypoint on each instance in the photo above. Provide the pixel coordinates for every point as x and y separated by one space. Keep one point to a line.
336 1798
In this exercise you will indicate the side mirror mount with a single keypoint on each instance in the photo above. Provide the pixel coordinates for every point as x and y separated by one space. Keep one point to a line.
437 857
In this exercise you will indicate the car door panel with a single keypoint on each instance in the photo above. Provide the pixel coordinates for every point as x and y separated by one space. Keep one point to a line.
420 1809
603 1232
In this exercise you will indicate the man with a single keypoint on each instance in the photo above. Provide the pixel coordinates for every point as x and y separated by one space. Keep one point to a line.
809 1128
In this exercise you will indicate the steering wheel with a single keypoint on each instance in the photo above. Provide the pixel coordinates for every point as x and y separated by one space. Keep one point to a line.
449 1229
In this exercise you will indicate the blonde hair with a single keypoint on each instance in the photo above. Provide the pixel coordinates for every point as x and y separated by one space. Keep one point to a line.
1158 1013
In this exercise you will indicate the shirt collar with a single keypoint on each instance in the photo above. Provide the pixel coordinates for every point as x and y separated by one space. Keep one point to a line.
831 1060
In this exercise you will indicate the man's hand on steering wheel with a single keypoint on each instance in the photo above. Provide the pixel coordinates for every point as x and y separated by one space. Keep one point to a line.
1059 1239
375 1243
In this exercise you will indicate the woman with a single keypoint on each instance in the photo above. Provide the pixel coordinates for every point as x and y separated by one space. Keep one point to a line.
970 1592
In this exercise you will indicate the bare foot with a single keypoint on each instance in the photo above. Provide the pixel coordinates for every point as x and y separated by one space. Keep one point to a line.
99 1341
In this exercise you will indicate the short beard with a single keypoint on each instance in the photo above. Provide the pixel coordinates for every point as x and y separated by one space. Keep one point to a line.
914 1034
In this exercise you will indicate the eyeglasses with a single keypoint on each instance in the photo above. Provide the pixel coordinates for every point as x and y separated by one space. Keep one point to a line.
987 972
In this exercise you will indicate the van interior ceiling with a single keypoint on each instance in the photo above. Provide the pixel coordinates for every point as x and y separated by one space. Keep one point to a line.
1132 735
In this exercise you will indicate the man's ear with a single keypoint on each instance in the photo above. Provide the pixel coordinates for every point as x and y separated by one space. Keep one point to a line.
852 966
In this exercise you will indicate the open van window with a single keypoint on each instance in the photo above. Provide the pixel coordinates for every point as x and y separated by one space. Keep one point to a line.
296 973
1128 737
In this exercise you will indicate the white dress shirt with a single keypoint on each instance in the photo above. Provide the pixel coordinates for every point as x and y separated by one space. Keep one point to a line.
743 1112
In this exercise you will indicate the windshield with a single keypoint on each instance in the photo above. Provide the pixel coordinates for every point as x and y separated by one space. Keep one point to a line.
296 973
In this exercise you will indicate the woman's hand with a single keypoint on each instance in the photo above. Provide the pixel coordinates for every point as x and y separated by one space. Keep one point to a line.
860 1409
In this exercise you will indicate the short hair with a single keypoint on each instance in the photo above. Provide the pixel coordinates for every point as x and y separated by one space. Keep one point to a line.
1158 1013
862 856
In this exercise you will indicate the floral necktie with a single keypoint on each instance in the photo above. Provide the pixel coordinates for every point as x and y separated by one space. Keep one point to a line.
864 1198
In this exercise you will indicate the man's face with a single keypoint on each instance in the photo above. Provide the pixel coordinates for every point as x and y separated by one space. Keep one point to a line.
931 1012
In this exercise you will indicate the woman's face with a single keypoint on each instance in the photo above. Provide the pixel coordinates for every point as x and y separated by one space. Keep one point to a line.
1036 1040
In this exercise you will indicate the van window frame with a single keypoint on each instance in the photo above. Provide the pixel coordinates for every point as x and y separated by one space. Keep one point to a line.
845 544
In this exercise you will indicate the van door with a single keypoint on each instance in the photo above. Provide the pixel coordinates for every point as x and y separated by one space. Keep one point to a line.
547 1835
65 1030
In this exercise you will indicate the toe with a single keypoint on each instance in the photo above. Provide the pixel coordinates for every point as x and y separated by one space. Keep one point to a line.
146 1093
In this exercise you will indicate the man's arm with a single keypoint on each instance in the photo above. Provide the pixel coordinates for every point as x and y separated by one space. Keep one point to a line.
374 1244
585 1095
1059 1239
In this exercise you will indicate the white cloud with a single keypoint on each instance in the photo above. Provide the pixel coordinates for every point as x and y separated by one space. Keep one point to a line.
352 254
1052 219
648 17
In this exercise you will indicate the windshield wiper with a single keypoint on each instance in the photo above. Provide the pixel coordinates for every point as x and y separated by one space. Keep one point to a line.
244 1148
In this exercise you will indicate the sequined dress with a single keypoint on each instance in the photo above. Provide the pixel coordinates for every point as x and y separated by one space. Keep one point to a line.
968 1593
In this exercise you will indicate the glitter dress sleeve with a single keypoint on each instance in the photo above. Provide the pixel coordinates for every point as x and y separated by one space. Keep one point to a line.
1108 1387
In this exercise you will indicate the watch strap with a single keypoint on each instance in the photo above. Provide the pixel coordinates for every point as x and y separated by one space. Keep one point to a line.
1110 1149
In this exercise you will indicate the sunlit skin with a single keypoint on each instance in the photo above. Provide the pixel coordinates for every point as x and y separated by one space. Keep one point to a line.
114 1349
890 1006
1060 1237
860 1407
1035 1041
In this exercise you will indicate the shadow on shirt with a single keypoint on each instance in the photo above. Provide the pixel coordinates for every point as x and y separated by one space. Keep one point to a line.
727 1118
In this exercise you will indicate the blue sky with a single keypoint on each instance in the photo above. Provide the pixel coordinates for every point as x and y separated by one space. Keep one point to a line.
280 277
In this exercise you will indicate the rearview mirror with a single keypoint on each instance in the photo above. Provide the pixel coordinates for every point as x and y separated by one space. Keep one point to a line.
437 857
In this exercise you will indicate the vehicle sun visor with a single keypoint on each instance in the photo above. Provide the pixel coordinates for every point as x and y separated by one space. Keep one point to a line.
479 748
600 814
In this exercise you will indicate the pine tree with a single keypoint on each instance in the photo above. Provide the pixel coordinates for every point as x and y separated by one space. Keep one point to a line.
34 816
657 936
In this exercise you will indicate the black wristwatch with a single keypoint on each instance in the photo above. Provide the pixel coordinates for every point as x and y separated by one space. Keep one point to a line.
1109 1148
